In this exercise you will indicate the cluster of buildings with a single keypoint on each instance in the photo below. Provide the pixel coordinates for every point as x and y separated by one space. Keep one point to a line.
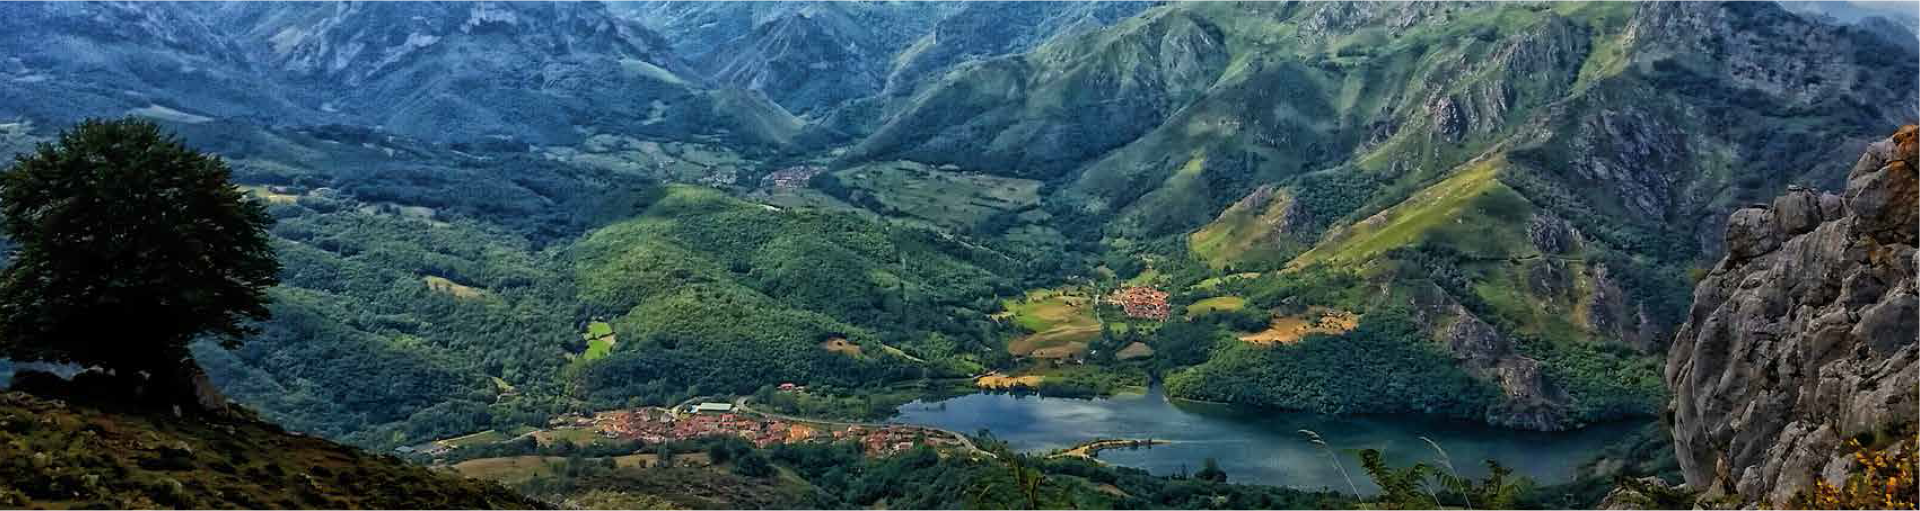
793 177
430 449
892 439
661 425
1142 302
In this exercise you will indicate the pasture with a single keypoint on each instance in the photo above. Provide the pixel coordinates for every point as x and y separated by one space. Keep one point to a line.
600 341
1291 329
842 346
451 288
1061 323
1215 304
941 196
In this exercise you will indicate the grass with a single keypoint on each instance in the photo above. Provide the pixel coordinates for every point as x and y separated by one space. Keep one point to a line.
1133 351
1216 304
1061 322
842 346
898 353
1291 329
1147 278
1055 343
1244 232
940 196
599 329
64 454
481 438
502 385
1410 221
457 290
517 469
575 436
600 341
1047 309
1214 282
509 469
270 196
999 381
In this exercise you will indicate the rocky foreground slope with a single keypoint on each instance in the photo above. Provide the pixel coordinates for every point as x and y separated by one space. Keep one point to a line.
1803 337
60 454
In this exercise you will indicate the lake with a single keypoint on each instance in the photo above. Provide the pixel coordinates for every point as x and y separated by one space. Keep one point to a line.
1257 445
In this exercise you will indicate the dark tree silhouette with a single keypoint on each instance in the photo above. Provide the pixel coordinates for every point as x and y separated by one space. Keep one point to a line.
1210 471
128 246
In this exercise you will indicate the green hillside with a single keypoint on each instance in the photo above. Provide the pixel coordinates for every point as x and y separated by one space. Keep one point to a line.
1534 179
1531 182
57 455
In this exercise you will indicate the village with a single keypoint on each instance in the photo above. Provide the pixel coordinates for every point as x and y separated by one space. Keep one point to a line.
654 425
660 425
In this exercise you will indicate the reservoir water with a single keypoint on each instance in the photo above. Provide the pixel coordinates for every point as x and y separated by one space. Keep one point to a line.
1256 445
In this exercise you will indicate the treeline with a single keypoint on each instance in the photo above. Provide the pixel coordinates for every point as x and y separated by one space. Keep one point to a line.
1383 366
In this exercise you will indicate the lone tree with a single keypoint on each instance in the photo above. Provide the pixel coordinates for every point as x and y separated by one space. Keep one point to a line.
129 246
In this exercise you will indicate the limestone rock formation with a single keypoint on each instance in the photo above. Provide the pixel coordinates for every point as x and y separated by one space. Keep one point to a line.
1803 336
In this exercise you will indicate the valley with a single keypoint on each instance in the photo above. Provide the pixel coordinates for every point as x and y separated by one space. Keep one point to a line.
1144 429
515 241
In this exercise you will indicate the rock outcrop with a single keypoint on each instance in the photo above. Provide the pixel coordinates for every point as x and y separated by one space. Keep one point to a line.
1803 336
1529 400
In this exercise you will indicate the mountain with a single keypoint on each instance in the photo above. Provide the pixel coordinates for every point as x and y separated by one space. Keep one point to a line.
60 454
1902 13
1533 181
69 61
447 72
844 62
1802 338
809 57
491 214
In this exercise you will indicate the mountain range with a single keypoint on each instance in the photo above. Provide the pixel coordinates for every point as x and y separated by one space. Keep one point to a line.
1525 192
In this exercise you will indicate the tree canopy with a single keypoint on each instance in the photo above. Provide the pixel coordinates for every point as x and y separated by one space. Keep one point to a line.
127 246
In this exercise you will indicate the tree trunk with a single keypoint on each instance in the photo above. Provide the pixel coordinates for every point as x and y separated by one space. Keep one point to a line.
183 387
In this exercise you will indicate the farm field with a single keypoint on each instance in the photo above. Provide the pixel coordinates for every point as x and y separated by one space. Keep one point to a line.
484 437
1214 282
576 436
997 381
842 346
600 340
269 195
455 289
1290 329
1061 323
940 196
1216 304
1085 380
1135 350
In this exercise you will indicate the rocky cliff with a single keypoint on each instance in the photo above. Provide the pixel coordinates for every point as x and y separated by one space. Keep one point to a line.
1803 336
